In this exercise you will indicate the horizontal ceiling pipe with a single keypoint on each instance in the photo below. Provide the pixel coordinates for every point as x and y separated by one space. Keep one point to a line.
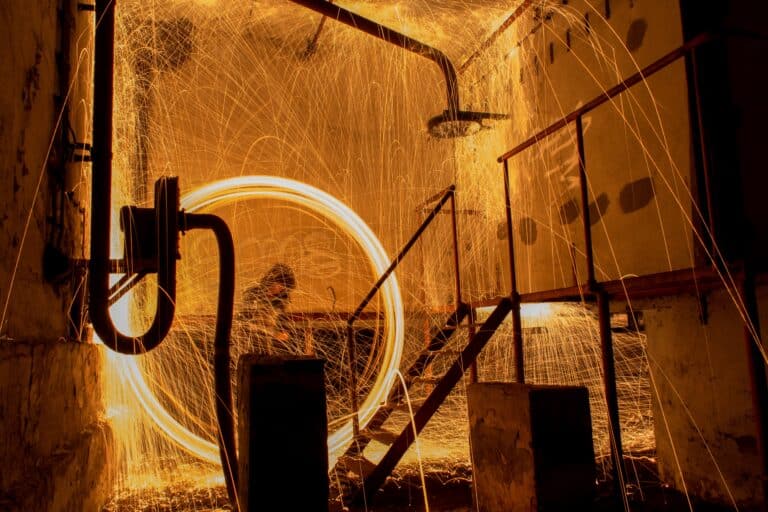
401 40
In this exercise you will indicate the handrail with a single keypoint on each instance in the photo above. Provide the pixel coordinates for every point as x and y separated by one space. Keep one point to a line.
614 91
447 195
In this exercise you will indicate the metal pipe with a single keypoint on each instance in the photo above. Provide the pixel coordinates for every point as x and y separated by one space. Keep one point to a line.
510 231
387 34
222 357
609 386
585 204
101 200
352 355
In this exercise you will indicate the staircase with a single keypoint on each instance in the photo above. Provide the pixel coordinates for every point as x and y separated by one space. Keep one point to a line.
358 478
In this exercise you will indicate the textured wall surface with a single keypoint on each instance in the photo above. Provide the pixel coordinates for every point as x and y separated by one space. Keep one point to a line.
704 422
54 439
55 444
27 119
555 58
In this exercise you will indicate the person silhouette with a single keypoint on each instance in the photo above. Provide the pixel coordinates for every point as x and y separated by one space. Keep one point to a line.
264 308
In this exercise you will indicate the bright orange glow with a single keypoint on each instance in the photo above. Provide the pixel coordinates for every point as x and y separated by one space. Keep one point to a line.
221 193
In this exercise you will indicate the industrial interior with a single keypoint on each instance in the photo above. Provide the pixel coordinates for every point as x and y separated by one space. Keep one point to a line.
447 255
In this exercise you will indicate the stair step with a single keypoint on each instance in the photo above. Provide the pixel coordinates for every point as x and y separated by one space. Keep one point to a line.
440 352
403 405
381 435
349 465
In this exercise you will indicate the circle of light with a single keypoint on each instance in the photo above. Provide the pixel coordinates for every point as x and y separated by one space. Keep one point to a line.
223 192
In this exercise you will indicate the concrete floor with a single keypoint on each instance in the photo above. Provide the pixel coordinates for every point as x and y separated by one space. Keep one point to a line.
405 495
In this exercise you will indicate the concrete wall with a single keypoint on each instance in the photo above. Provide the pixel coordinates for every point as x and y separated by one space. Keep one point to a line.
245 99
554 58
32 307
54 443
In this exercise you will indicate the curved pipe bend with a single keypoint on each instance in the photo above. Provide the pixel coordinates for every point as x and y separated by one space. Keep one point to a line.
387 34
222 356
101 199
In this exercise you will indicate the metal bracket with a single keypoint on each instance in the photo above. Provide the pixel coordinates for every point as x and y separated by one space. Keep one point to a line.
79 151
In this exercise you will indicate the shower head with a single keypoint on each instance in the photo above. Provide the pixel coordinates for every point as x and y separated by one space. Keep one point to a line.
461 123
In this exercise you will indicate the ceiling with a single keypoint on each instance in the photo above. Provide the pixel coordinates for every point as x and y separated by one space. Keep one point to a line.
456 27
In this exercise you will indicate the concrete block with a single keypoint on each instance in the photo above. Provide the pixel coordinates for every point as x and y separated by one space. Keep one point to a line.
56 449
283 434
531 447
705 429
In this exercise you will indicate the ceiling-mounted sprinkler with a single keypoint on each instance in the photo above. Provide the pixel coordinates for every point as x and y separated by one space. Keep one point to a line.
452 122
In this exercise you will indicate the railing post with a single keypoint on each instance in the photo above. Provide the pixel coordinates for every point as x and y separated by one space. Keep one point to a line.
604 321
609 387
455 234
474 377
351 350
517 328
585 204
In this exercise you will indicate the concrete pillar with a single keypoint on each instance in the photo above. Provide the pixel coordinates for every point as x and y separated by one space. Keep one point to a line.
531 447
55 448
55 445
703 416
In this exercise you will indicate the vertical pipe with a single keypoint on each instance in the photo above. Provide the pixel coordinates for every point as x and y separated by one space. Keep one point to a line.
609 385
517 328
585 204
757 374
222 346
455 234
101 175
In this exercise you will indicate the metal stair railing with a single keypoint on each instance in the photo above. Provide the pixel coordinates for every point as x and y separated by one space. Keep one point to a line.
449 194
378 474
591 288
